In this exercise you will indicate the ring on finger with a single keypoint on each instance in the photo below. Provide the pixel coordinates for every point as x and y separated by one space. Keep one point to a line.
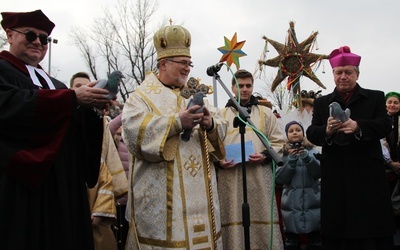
330 126
195 121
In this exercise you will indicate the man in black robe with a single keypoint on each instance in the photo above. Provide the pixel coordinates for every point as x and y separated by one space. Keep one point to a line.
356 210
50 144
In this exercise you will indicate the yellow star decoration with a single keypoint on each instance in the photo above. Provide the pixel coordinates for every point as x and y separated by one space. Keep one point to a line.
232 51
192 165
294 60
152 87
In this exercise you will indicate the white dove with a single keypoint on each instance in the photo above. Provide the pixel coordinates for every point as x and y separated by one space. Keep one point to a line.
196 100
335 110
111 84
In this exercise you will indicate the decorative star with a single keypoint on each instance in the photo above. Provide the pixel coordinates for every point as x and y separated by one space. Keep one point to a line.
294 60
232 51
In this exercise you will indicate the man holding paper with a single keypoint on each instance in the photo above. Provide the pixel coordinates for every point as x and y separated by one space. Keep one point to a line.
258 170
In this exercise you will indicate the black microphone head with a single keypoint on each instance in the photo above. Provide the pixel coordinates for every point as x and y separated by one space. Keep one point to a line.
212 70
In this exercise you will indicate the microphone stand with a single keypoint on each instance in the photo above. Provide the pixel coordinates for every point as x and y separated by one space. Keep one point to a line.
244 115
245 206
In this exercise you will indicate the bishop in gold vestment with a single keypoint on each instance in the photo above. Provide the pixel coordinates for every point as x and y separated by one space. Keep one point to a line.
170 194
172 198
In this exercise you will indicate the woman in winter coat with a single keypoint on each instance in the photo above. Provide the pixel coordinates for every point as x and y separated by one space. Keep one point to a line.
300 202
391 155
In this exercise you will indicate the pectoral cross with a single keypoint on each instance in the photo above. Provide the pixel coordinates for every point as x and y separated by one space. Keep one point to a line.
193 86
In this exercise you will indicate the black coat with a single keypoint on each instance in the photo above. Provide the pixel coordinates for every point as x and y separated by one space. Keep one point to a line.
355 200
50 151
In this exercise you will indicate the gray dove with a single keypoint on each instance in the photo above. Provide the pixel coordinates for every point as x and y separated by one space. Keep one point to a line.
111 84
335 110
196 100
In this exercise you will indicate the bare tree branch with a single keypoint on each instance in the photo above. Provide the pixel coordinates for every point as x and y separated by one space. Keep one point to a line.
79 39
3 39
123 41
103 36
281 97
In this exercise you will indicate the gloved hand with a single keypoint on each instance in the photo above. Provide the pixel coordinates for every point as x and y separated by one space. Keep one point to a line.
292 159
268 157
305 156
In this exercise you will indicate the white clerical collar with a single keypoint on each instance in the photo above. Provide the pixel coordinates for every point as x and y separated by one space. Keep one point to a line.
43 74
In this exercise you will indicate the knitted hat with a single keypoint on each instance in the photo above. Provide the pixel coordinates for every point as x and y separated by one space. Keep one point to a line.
343 56
393 94
290 124
173 40
35 19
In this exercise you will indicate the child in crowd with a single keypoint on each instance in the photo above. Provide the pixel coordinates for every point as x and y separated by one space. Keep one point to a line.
300 202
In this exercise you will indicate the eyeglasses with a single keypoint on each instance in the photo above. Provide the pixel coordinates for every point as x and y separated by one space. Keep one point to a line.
31 36
183 62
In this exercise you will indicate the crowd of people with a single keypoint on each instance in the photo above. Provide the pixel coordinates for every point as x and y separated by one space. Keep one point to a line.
77 174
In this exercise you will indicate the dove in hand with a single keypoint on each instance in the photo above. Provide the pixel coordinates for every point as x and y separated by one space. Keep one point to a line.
196 100
111 84
336 111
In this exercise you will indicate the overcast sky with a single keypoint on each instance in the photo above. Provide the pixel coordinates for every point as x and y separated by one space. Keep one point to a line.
369 27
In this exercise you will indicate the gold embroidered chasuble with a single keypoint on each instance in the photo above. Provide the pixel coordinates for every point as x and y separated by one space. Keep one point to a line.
113 162
259 186
169 197
102 204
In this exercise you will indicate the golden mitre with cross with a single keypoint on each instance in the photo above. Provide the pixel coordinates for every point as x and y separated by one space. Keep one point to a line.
172 40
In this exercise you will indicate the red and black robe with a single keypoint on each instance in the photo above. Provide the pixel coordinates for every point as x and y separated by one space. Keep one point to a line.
50 149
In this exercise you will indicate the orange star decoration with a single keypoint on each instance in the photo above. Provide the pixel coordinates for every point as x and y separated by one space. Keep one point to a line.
294 60
232 51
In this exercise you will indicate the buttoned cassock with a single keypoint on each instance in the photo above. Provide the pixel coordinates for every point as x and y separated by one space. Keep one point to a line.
355 200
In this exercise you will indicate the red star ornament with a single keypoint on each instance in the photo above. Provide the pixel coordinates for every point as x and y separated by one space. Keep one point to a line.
232 51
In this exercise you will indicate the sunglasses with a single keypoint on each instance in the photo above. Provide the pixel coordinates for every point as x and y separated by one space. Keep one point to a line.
31 36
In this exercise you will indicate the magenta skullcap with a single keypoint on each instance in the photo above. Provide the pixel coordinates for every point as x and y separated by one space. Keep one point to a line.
343 57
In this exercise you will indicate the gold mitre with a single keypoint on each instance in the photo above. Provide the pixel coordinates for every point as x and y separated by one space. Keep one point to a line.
172 40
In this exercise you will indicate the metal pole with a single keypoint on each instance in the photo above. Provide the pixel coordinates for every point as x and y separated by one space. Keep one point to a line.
215 92
48 71
51 40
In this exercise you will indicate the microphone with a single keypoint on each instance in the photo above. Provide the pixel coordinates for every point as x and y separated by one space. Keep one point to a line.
212 70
